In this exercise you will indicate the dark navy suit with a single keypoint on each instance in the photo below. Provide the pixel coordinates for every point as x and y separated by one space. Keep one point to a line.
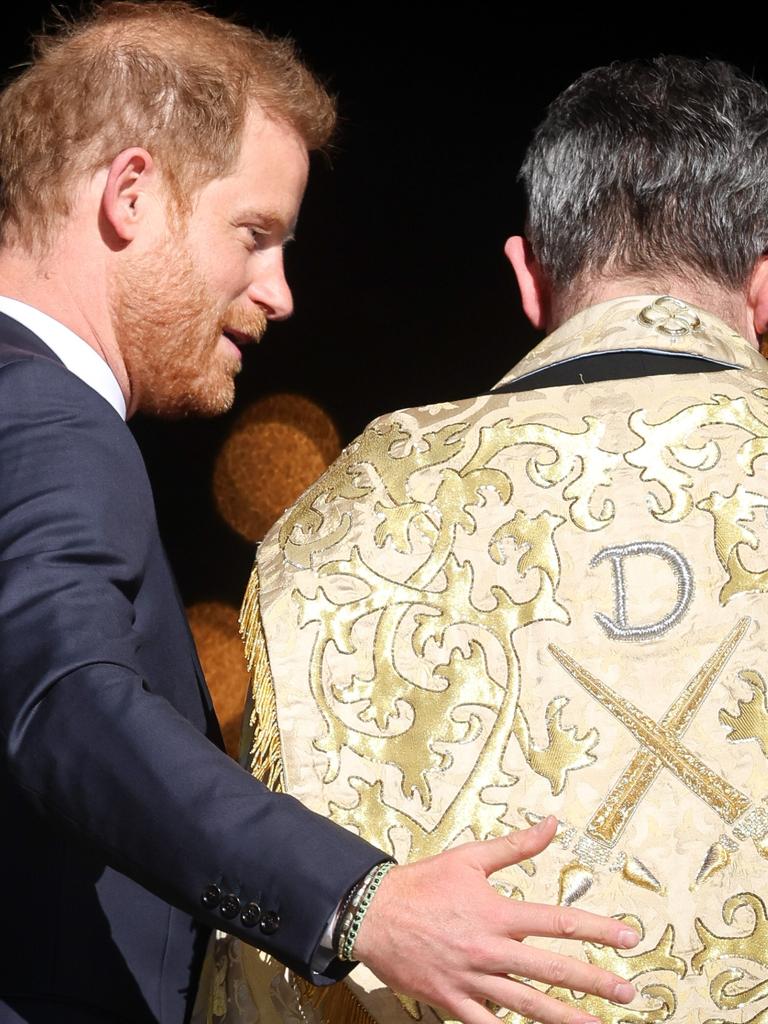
119 809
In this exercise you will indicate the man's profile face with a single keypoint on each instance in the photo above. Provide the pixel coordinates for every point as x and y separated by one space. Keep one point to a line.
183 308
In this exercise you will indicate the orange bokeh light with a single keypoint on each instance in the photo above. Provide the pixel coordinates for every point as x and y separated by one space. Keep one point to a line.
215 629
276 449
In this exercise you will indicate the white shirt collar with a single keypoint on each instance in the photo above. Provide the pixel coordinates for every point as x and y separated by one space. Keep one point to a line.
76 354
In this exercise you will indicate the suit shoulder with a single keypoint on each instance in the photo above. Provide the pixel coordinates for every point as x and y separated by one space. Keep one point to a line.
54 424
21 346
35 384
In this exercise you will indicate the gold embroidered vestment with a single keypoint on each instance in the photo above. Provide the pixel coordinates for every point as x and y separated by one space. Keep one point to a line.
549 602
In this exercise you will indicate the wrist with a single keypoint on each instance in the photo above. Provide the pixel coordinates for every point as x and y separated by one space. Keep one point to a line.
354 908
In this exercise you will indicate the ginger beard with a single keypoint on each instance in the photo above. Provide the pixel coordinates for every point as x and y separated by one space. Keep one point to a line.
169 329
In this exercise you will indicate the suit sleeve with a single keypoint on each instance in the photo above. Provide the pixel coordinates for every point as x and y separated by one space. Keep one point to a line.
90 740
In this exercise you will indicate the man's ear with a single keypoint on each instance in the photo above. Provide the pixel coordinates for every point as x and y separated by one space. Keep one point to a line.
757 298
534 290
124 200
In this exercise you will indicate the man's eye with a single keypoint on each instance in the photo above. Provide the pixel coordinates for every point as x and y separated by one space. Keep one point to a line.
258 235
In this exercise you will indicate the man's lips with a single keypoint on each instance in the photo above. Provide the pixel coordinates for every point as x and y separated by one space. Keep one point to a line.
238 338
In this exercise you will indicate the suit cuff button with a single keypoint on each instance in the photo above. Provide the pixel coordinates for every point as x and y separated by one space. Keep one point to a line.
270 922
251 915
230 906
211 897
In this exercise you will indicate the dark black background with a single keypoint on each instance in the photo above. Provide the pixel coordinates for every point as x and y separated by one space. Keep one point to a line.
402 292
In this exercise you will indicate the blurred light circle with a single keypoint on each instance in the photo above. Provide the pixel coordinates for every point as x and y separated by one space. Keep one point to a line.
276 449
215 629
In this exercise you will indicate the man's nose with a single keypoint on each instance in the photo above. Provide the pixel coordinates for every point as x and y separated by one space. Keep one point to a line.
271 291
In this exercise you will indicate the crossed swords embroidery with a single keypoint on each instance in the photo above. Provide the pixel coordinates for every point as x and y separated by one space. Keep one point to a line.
661 747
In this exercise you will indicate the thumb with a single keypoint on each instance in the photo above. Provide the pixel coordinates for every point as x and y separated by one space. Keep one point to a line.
494 854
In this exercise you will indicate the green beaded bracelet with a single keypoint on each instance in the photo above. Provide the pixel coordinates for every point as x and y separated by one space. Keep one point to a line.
352 902
347 949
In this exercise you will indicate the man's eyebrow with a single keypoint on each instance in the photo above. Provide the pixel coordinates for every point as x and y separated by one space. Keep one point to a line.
269 219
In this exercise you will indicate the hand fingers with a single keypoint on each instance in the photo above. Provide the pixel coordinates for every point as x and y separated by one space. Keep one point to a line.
532 1004
470 1012
563 971
494 854
568 923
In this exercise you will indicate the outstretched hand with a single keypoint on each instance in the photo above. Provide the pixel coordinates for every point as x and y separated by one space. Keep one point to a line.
437 931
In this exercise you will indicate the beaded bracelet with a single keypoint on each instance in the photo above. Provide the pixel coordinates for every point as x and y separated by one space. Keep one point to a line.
347 949
351 903
342 922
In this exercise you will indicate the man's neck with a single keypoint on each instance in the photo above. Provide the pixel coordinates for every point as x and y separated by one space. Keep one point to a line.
729 306
63 288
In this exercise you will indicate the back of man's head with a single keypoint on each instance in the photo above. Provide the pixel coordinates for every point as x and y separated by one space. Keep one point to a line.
162 75
649 168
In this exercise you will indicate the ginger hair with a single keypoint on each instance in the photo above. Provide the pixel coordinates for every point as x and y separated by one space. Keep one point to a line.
164 75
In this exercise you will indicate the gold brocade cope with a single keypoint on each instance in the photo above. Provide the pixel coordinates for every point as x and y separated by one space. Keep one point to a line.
549 602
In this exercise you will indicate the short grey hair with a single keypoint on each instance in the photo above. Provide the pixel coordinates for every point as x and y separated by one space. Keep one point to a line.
648 166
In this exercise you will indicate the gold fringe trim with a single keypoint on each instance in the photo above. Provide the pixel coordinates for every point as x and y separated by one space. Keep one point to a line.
261 747
336 1004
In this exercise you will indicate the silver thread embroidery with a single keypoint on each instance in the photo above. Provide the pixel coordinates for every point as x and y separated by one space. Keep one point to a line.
619 628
